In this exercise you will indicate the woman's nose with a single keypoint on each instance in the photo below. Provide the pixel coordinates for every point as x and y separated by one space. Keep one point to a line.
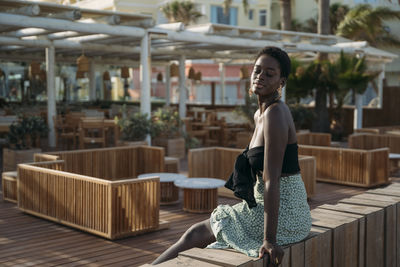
259 75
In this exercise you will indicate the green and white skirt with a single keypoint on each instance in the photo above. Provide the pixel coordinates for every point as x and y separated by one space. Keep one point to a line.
242 228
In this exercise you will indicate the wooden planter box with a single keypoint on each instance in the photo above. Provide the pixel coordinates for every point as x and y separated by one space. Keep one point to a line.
174 147
11 157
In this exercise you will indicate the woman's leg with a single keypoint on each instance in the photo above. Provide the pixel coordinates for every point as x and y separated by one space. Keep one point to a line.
198 235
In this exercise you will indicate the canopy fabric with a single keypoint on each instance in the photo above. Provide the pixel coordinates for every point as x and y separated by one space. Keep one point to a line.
112 37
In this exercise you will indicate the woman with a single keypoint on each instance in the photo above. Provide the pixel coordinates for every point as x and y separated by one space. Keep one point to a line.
277 213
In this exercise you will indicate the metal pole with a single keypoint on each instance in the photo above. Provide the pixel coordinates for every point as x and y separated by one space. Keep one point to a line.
182 89
167 85
145 102
51 99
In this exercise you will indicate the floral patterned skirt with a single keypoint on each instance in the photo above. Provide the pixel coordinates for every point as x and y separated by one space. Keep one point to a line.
242 228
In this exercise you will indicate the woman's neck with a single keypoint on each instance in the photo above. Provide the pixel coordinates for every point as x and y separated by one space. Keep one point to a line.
265 102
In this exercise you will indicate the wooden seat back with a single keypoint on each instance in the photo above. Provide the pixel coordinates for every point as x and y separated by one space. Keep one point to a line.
365 168
314 139
219 162
92 131
110 163
373 141
111 209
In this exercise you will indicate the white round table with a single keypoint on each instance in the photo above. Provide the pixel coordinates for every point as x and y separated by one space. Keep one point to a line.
200 195
169 193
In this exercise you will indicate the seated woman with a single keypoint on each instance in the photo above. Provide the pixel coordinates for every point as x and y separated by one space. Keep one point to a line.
267 176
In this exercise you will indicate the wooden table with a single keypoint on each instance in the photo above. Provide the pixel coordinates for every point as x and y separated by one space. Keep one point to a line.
169 192
200 194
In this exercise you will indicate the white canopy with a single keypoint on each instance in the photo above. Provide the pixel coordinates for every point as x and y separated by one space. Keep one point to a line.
37 30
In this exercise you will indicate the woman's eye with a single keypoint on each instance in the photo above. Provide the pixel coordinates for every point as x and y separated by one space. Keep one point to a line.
257 71
269 75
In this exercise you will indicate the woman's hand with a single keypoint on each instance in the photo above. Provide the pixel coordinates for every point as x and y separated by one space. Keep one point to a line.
275 253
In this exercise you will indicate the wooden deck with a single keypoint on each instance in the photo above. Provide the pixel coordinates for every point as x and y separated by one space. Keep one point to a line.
26 240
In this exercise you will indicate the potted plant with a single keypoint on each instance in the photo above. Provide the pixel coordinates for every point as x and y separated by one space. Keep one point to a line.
134 128
24 140
167 133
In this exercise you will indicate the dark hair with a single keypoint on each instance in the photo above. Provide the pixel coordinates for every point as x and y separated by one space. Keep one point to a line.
280 55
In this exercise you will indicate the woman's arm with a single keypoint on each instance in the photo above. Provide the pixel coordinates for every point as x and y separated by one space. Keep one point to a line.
275 141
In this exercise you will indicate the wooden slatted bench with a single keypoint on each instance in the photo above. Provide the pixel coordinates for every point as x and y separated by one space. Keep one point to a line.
314 139
373 141
218 162
9 186
355 167
111 209
95 190
110 163
360 232
9 179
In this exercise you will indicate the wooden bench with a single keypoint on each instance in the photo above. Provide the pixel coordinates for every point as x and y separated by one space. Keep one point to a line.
110 163
111 209
314 139
356 167
95 190
349 234
373 141
9 186
377 129
218 162
9 179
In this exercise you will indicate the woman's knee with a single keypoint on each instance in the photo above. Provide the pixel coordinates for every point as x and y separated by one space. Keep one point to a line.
198 233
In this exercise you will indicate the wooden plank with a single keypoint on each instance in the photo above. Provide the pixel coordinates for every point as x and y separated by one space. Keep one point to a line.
390 205
318 248
185 261
345 231
374 230
221 257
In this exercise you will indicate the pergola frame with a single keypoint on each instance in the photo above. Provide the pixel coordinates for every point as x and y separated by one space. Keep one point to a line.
37 30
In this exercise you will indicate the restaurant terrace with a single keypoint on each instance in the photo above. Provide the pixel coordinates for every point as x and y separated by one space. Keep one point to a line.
84 195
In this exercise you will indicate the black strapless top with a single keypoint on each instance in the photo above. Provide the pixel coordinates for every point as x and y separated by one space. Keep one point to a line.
249 163
290 159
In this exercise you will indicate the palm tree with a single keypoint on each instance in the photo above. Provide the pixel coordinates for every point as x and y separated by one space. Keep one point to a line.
337 13
285 14
367 24
321 124
184 12
227 4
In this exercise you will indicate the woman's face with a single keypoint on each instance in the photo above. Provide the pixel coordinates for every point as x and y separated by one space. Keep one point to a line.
266 76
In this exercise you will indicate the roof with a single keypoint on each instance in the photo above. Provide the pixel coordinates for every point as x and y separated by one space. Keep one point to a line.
26 27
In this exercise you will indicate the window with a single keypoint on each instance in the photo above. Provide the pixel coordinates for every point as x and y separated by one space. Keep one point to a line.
251 14
218 16
263 17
